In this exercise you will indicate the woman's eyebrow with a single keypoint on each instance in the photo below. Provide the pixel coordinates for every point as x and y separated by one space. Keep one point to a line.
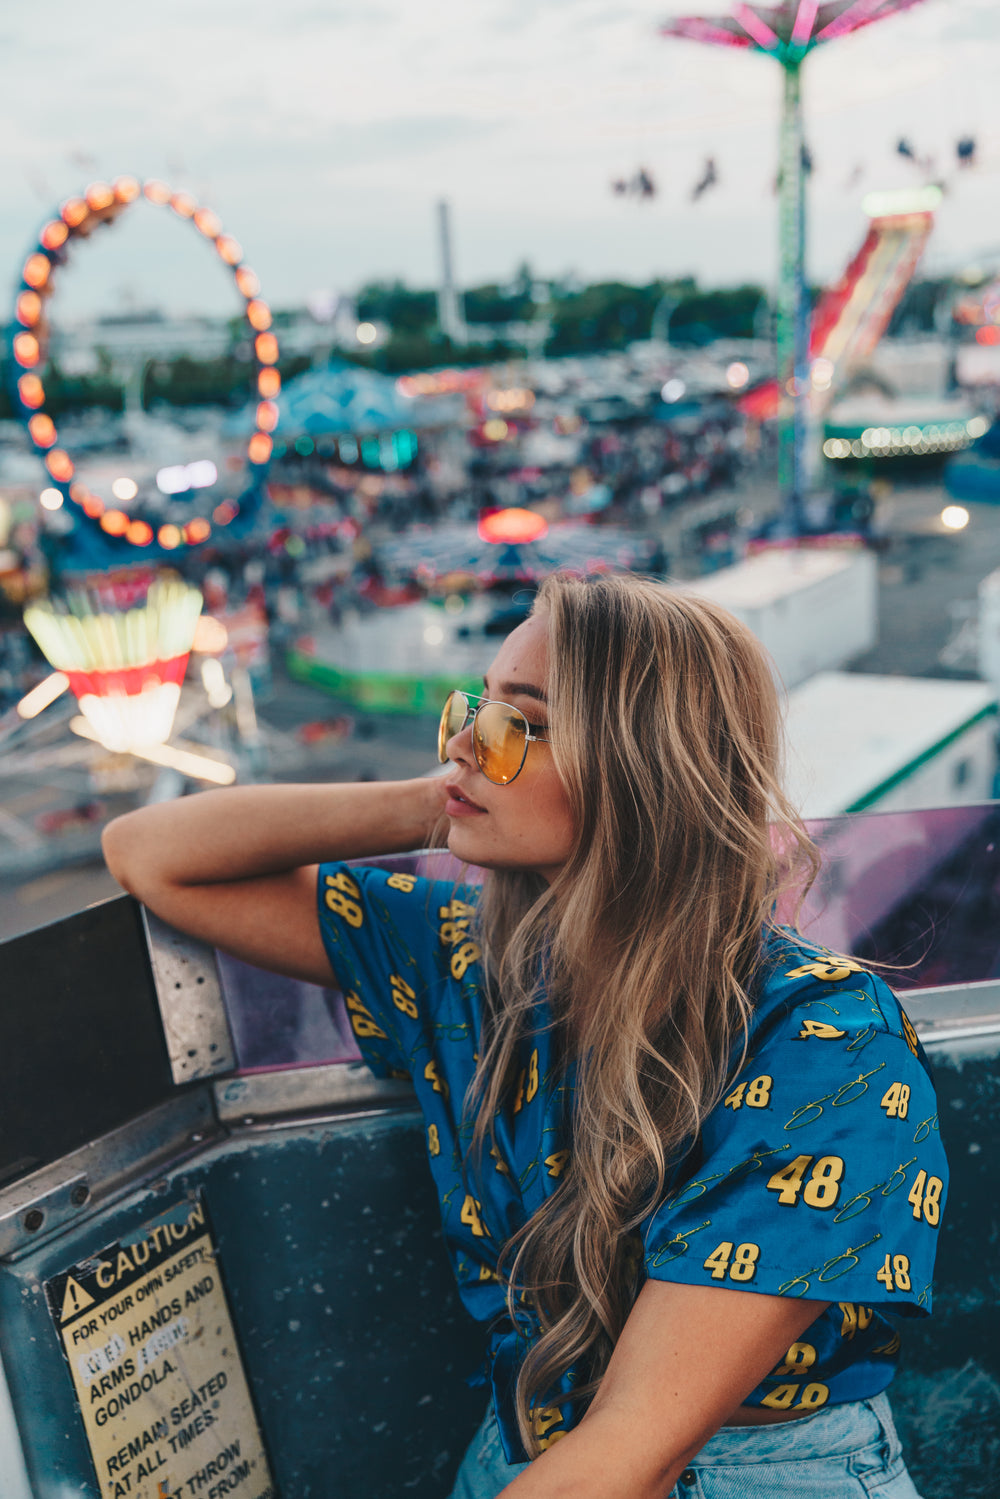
519 689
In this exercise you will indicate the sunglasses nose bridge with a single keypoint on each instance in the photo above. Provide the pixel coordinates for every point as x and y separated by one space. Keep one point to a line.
449 728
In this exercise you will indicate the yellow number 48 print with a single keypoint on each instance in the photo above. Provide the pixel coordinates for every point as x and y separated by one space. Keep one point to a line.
743 1264
756 1095
822 1188
895 1273
342 896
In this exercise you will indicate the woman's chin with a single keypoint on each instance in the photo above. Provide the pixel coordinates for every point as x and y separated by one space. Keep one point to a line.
464 845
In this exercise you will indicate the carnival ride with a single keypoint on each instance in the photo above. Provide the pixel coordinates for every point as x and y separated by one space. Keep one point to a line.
124 659
788 32
132 533
406 659
851 316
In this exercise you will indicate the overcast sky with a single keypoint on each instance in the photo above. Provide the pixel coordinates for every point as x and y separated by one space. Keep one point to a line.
323 132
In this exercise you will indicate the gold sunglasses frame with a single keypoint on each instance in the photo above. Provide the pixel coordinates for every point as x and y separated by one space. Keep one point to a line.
471 714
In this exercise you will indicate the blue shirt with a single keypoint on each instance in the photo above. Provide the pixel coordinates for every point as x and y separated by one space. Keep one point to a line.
820 1174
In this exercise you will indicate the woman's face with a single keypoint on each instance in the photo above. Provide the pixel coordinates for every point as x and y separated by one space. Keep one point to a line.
527 823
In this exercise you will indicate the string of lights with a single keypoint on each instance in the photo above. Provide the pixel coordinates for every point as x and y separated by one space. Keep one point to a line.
29 336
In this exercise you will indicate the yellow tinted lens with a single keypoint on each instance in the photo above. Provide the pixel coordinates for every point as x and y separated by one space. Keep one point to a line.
453 720
499 740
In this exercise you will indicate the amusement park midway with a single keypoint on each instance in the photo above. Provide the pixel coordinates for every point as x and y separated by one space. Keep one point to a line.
258 518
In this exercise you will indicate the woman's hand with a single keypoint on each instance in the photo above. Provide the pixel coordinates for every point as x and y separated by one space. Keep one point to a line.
689 1355
237 868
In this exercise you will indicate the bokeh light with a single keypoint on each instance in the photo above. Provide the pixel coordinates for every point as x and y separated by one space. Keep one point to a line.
54 235
28 308
258 315
42 429
115 522
208 223
230 249
37 269
26 350
259 448
99 196
31 391
268 383
60 465
247 281
210 636
74 212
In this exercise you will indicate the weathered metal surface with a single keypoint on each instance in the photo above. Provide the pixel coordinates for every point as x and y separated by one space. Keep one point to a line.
958 1020
186 977
48 1201
354 1341
301 1090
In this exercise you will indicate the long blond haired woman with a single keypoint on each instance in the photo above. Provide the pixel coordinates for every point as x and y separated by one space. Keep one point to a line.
673 1144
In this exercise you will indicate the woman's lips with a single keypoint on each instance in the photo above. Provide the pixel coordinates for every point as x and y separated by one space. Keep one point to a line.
459 804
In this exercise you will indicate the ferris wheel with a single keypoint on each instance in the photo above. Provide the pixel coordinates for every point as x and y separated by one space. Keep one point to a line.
29 335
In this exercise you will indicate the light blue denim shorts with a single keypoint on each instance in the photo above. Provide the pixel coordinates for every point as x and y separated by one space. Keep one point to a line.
844 1452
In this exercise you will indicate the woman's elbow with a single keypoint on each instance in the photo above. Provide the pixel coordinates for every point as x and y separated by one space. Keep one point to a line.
122 844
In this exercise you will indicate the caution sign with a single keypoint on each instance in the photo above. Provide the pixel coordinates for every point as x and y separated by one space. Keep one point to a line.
146 1329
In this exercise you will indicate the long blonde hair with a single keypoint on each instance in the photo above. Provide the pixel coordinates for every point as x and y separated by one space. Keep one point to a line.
665 728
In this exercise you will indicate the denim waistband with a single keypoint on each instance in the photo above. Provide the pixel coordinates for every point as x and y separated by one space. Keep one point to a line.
837 1429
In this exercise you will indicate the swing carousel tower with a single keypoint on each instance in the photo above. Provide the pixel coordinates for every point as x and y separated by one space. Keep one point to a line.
788 31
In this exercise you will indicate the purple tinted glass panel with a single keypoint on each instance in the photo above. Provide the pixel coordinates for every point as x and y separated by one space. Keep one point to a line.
281 1022
917 890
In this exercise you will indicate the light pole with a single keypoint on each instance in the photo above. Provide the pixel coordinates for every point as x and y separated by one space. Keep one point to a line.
788 32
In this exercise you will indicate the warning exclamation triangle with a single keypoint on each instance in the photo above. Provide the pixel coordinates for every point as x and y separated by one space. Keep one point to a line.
75 1300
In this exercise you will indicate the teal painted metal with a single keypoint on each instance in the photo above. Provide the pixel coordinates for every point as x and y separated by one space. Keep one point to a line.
355 1344
357 1349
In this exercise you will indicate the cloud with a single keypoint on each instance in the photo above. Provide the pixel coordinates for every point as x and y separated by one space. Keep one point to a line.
324 130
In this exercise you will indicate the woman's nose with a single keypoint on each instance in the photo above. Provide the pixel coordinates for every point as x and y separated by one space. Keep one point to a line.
459 747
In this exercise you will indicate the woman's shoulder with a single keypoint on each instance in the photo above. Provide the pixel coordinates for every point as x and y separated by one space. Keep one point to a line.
806 990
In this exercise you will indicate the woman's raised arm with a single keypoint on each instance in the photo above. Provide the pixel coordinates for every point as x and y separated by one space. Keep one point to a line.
237 868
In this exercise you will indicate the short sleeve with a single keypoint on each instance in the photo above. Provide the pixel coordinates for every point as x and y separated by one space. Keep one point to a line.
821 1173
388 938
